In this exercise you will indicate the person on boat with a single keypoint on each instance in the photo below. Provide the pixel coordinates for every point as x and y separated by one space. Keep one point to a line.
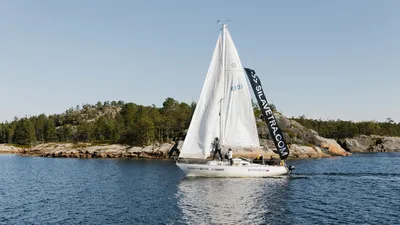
230 154
259 159
217 148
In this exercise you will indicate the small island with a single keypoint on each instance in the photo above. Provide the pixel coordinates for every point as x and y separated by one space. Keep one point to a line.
127 130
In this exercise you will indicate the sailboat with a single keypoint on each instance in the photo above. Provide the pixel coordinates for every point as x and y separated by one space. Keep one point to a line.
225 110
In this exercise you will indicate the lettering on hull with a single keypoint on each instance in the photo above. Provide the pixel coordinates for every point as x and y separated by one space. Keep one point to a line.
203 168
258 170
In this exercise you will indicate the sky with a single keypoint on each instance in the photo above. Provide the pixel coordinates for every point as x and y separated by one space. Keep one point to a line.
320 59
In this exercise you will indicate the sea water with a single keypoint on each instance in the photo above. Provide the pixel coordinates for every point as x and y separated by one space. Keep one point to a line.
360 189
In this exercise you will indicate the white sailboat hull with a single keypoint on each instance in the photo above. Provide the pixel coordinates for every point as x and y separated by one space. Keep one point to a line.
238 169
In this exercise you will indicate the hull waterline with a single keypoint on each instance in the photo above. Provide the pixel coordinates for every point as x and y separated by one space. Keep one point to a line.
226 170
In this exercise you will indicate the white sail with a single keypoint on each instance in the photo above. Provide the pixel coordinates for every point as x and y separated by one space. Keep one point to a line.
225 90
239 126
205 124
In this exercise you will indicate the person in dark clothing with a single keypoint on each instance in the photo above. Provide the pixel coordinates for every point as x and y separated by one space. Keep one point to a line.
174 150
259 159
226 156
217 148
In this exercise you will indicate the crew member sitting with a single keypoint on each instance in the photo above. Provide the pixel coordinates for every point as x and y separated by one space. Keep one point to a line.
230 154
259 157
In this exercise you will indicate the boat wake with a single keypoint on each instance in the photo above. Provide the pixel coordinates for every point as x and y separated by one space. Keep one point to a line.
306 175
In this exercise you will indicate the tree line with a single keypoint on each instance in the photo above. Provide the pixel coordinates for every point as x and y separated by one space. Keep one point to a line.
108 122
129 123
339 129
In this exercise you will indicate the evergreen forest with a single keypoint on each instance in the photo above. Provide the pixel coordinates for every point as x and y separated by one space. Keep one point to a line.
138 125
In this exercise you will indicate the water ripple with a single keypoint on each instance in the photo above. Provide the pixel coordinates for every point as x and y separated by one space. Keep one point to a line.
348 190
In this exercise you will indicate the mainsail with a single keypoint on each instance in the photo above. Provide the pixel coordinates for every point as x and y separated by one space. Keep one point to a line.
269 117
224 109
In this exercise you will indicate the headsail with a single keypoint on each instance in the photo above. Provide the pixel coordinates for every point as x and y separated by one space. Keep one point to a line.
204 124
224 108
273 127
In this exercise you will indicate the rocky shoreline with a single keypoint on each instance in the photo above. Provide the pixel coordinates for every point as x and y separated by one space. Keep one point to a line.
327 148
373 143
9 149
323 148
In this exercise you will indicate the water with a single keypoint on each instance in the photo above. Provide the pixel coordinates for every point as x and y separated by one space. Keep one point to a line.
362 189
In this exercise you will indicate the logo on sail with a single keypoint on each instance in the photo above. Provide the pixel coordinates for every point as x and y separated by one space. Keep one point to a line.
237 87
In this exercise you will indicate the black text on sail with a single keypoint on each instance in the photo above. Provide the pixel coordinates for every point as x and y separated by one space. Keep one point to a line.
273 127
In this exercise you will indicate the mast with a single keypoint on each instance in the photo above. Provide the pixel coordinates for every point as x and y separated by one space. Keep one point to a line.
223 60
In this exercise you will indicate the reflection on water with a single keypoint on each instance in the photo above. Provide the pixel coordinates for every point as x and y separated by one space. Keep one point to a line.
347 190
232 201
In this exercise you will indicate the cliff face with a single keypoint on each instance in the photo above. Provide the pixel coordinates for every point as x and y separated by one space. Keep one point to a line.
373 143
302 142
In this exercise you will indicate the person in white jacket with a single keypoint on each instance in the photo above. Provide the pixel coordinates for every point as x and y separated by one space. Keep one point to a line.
230 154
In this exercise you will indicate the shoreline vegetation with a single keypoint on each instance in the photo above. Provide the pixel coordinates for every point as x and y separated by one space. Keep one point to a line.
116 129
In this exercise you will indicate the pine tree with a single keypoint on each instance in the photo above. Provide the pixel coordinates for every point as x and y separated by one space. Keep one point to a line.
50 131
24 132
